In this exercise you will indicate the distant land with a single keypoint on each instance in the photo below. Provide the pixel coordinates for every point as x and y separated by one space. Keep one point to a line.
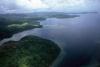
14 23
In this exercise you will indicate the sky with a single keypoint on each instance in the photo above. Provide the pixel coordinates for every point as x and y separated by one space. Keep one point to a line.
27 6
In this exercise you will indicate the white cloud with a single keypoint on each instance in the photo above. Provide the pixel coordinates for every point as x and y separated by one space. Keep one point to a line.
31 4
17 6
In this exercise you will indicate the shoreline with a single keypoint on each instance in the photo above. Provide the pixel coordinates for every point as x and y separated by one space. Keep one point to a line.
55 63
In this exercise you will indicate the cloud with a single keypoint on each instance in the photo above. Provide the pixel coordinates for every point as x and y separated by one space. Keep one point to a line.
73 5
8 6
21 6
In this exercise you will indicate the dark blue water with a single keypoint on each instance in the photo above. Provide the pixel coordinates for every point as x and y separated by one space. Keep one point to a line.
79 37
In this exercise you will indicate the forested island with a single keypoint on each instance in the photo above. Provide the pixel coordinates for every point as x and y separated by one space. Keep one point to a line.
30 51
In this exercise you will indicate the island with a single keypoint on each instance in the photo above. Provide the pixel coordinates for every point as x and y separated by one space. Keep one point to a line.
30 51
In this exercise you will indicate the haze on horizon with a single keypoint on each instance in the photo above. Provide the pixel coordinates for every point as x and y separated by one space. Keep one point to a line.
26 6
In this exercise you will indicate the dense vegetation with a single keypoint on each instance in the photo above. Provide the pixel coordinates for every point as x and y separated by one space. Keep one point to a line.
28 52
9 27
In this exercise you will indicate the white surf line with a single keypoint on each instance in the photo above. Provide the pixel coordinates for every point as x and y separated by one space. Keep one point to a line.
60 57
